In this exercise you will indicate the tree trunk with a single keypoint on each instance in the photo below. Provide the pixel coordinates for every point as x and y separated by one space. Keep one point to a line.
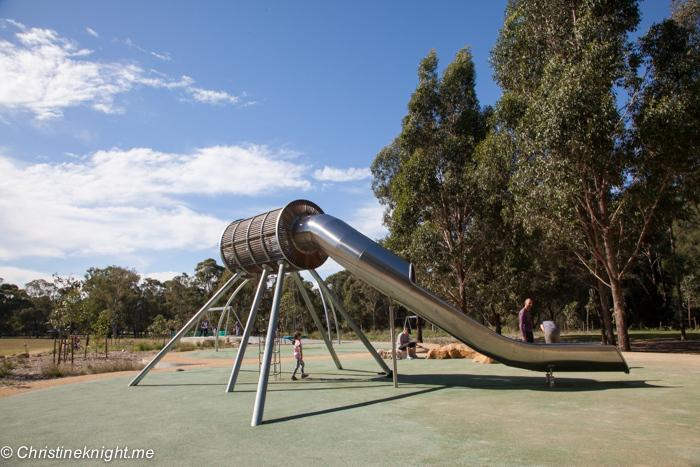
496 319
678 283
620 315
614 276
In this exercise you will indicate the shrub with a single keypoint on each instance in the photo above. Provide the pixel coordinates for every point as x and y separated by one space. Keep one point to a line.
113 366
51 370
185 347
6 367
147 346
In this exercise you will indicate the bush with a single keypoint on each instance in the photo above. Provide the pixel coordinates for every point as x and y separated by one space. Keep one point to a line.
6 367
51 370
113 366
185 347
147 346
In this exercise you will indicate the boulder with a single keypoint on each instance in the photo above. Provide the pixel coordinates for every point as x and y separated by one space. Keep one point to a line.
438 354
460 351
484 359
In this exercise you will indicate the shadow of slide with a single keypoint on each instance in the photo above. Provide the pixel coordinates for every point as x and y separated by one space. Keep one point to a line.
537 383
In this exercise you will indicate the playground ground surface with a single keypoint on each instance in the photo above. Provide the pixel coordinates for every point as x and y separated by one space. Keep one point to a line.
444 412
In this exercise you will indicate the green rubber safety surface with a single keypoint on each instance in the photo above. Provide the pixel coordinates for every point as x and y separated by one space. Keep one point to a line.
444 413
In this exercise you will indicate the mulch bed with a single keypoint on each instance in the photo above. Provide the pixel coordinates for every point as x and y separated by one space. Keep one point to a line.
28 369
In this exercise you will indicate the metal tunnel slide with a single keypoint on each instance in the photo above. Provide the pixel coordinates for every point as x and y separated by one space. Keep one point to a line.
390 275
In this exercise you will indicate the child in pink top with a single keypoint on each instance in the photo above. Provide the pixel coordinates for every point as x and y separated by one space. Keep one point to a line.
299 355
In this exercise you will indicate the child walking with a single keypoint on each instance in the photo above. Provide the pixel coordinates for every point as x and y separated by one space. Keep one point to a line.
299 355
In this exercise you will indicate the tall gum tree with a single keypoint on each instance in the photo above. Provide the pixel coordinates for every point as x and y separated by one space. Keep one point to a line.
573 96
426 177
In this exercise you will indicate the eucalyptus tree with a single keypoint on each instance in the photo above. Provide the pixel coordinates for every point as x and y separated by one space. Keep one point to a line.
12 299
115 290
667 116
207 275
428 181
592 166
181 297
70 314
43 296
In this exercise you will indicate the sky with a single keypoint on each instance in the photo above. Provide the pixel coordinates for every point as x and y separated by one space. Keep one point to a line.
132 133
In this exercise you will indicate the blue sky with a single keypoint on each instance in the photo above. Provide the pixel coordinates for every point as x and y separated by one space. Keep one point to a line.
132 133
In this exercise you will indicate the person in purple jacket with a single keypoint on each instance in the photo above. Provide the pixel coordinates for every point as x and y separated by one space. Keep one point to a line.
526 322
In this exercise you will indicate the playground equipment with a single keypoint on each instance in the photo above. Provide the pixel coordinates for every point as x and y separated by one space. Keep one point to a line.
300 236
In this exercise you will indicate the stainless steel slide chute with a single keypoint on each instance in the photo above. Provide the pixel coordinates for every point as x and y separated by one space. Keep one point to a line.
383 270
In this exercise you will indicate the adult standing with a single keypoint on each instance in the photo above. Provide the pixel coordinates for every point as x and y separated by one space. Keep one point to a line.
551 332
205 328
525 321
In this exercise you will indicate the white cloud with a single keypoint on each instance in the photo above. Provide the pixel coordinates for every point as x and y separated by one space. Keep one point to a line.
44 74
165 57
116 202
161 276
332 174
211 97
20 277
92 32
368 220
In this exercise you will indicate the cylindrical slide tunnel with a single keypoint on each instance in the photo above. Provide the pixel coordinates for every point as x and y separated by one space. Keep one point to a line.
249 244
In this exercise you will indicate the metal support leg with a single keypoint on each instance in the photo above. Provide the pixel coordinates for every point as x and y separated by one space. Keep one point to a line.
325 310
226 310
550 376
186 328
248 328
329 302
350 321
269 343
393 344
316 319
335 320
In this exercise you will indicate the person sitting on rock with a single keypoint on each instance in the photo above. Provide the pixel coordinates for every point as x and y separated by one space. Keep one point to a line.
404 343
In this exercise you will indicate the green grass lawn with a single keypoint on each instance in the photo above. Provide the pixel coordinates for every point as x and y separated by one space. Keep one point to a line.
10 345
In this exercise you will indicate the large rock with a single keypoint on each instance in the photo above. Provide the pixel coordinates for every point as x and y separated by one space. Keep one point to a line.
438 354
458 351
484 359
463 350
